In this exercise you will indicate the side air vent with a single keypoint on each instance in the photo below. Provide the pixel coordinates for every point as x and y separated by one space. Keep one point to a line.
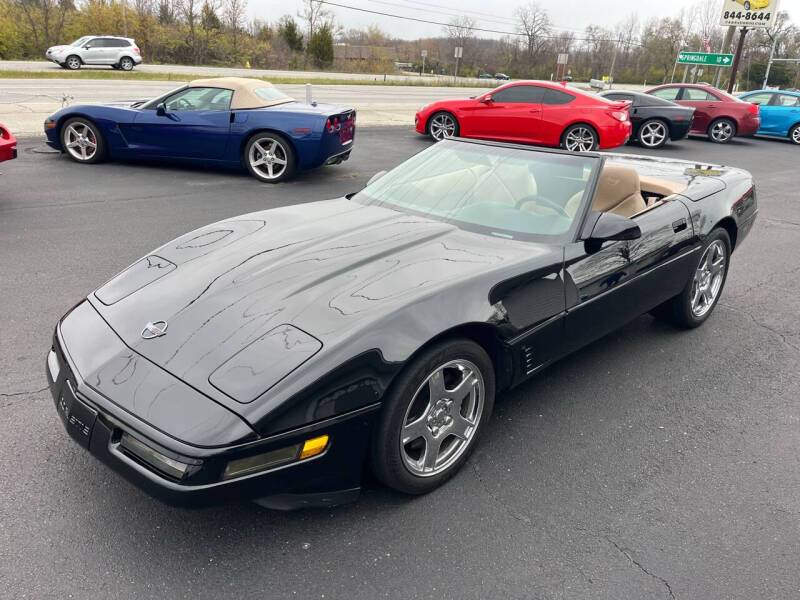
528 360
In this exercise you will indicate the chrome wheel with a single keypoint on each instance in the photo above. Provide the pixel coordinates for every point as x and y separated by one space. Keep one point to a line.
80 141
268 158
580 139
721 131
796 134
442 126
442 418
73 63
708 278
653 134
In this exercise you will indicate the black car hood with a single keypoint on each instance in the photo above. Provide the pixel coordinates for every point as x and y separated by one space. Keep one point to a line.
247 301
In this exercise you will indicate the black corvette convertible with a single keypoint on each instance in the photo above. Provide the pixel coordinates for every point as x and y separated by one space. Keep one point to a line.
655 121
274 355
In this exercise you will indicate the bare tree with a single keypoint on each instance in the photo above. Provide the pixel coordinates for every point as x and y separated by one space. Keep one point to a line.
534 25
234 18
44 18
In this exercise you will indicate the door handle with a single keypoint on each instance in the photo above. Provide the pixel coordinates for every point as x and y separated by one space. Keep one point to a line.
679 225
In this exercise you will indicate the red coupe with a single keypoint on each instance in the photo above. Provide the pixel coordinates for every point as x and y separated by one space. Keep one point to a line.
717 114
8 144
531 112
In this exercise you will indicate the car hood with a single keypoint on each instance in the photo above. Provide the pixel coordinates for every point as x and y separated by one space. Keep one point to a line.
247 301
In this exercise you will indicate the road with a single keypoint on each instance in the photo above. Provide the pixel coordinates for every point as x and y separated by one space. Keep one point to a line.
25 103
654 464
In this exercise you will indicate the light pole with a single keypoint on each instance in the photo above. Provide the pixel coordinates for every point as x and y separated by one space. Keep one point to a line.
769 63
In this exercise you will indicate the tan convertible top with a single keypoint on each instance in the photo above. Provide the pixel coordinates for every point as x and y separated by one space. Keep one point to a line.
244 91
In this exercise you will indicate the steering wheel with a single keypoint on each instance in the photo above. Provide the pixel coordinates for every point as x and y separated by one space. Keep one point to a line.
182 104
543 201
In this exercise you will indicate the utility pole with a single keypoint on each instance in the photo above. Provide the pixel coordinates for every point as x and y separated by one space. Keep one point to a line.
737 59
125 17
613 64
769 63
726 44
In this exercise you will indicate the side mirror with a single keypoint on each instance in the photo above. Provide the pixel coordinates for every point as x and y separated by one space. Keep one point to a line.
161 110
87 47
487 99
375 177
609 227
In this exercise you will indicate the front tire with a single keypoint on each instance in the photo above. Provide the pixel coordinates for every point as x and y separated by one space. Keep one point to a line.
794 134
269 157
82 141
653 134
698 299
126 63
443 125
73 63
721 131
580 138
433 416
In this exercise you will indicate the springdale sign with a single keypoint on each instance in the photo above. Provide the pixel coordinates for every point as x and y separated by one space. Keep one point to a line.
749 13
705 58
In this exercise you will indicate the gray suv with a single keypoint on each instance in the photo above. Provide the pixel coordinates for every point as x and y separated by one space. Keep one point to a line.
116 52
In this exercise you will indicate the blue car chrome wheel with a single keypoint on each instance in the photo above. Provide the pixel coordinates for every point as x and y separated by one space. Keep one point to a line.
269 157
794 134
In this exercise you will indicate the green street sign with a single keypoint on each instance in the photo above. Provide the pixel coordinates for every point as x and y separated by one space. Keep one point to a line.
705 58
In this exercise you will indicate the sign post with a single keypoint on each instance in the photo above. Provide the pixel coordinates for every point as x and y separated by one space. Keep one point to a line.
458 54
424 56
747 14
561 66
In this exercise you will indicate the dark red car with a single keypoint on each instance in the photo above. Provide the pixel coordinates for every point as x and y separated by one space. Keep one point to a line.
717 114
8 144
531 112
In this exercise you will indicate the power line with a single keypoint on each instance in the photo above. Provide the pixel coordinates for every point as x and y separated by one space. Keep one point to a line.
481 29
447 14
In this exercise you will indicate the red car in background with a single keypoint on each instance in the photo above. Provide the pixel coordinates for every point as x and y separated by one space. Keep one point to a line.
531 112
8 144
717 114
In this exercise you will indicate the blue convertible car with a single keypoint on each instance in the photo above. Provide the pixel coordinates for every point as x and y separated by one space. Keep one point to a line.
228 121
780 112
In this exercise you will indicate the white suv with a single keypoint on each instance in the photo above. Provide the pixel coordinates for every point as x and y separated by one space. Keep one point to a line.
116 52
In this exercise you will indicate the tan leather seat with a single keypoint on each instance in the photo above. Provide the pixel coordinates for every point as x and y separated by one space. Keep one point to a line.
619 191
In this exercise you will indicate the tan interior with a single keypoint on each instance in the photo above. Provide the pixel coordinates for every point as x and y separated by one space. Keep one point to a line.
244 95
660 187
619 191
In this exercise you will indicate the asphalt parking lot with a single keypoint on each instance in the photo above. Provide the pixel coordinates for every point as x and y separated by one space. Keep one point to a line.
653 464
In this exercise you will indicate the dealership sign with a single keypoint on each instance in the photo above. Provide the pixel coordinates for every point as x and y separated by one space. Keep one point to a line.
705 58
749 13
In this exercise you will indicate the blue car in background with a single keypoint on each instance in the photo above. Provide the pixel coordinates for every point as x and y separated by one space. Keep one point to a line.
229 121
779 111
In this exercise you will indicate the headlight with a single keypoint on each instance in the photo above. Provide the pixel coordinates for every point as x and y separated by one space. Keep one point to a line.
172 467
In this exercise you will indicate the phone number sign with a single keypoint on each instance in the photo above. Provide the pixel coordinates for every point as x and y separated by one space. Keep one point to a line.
749 13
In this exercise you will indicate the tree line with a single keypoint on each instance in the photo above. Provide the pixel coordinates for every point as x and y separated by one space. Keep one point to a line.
218 32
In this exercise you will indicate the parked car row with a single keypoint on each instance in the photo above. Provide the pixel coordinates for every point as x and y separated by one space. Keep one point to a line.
553 114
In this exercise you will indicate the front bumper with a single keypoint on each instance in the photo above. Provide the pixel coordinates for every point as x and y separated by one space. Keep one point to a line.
97 423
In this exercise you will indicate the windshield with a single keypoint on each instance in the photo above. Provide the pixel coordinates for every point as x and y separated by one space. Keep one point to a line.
81 41
495 190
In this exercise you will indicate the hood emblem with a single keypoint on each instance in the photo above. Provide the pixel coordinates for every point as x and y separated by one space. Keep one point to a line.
154 329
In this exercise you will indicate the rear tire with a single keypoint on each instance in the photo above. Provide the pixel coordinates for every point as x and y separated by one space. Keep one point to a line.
126 63
580 138
794 134
269 157
424 436
73 63
721 131
697 301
